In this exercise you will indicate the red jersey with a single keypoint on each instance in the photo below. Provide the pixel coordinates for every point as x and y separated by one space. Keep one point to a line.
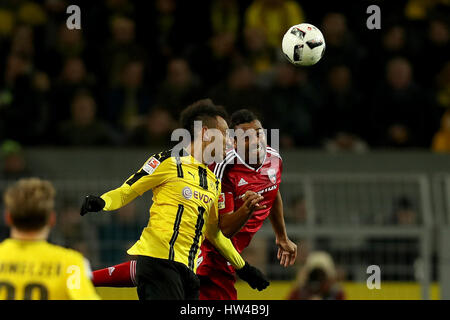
237 177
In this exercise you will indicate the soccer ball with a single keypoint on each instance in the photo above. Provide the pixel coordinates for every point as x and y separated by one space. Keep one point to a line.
303 44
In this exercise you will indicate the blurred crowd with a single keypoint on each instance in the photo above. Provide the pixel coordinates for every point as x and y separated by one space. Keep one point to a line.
124 77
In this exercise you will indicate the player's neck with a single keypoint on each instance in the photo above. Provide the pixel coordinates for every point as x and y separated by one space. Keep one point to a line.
195 152
30 235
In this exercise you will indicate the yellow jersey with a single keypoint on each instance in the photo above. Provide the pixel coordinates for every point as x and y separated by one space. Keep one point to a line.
185 201
38 270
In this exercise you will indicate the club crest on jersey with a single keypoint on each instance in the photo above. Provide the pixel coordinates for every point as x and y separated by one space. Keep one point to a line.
222 201
187 193
272 174
151 165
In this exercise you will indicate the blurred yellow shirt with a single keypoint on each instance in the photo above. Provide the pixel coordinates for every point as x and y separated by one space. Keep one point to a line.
274 21
38 270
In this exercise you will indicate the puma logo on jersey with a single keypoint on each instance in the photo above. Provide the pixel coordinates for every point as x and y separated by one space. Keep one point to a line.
193 175
242 182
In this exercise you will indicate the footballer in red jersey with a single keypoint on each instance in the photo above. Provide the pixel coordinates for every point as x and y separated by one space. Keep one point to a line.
250 194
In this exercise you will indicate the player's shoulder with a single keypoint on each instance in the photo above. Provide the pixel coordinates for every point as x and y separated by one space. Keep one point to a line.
273 152
228 161
66 253
162 155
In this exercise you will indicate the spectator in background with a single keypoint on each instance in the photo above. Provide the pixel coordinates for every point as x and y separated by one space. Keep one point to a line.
73 78
275 17
22 42
403 115
403 212
129 101
402 251
437 45
393 44
213 60
121 48
180 88
341 45
316 280
346 142
164 25
156 130
240 89
343 124
23 106
13 160
70 43
83 129
293 105
258 55
441 140
442 88
225 17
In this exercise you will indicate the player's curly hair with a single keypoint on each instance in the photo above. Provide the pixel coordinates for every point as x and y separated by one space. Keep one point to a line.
242 116
202 110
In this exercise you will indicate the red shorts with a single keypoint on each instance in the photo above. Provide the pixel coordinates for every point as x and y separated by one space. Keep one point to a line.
217 287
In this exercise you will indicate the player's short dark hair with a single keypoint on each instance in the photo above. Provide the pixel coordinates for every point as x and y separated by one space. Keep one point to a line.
242 116
202 110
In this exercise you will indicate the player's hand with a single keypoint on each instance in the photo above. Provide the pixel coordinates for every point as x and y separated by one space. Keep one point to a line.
253 276
251 201
287 252
92 204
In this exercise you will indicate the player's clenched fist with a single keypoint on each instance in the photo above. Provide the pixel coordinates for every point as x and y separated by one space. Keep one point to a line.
92 204
251 201
253 276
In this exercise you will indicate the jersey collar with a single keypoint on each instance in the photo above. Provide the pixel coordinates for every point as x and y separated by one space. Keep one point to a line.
248 166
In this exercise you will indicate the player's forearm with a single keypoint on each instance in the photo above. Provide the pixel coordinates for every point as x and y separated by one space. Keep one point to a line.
232 222
224 246
117 198
276 218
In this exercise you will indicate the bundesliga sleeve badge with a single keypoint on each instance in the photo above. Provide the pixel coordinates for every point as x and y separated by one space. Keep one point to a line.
151 165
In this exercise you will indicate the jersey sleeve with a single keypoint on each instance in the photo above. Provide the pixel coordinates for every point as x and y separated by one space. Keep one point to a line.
222 243
155 171
78 280
226 198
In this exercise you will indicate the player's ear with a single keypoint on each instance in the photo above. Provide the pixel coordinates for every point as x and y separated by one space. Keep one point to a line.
52 219
205 134
8 219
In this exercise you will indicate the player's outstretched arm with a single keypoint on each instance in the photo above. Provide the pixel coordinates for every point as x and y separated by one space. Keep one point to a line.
287 250
155 171
112 200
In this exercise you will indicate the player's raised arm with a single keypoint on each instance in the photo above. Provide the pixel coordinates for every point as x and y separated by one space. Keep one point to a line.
152 173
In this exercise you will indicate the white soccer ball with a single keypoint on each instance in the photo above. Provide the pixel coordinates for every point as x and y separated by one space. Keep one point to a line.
303 44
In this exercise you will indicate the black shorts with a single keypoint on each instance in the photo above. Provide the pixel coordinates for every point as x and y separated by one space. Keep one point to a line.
162 279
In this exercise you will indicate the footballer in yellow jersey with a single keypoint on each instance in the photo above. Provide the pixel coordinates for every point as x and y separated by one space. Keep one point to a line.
30 267
183 213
